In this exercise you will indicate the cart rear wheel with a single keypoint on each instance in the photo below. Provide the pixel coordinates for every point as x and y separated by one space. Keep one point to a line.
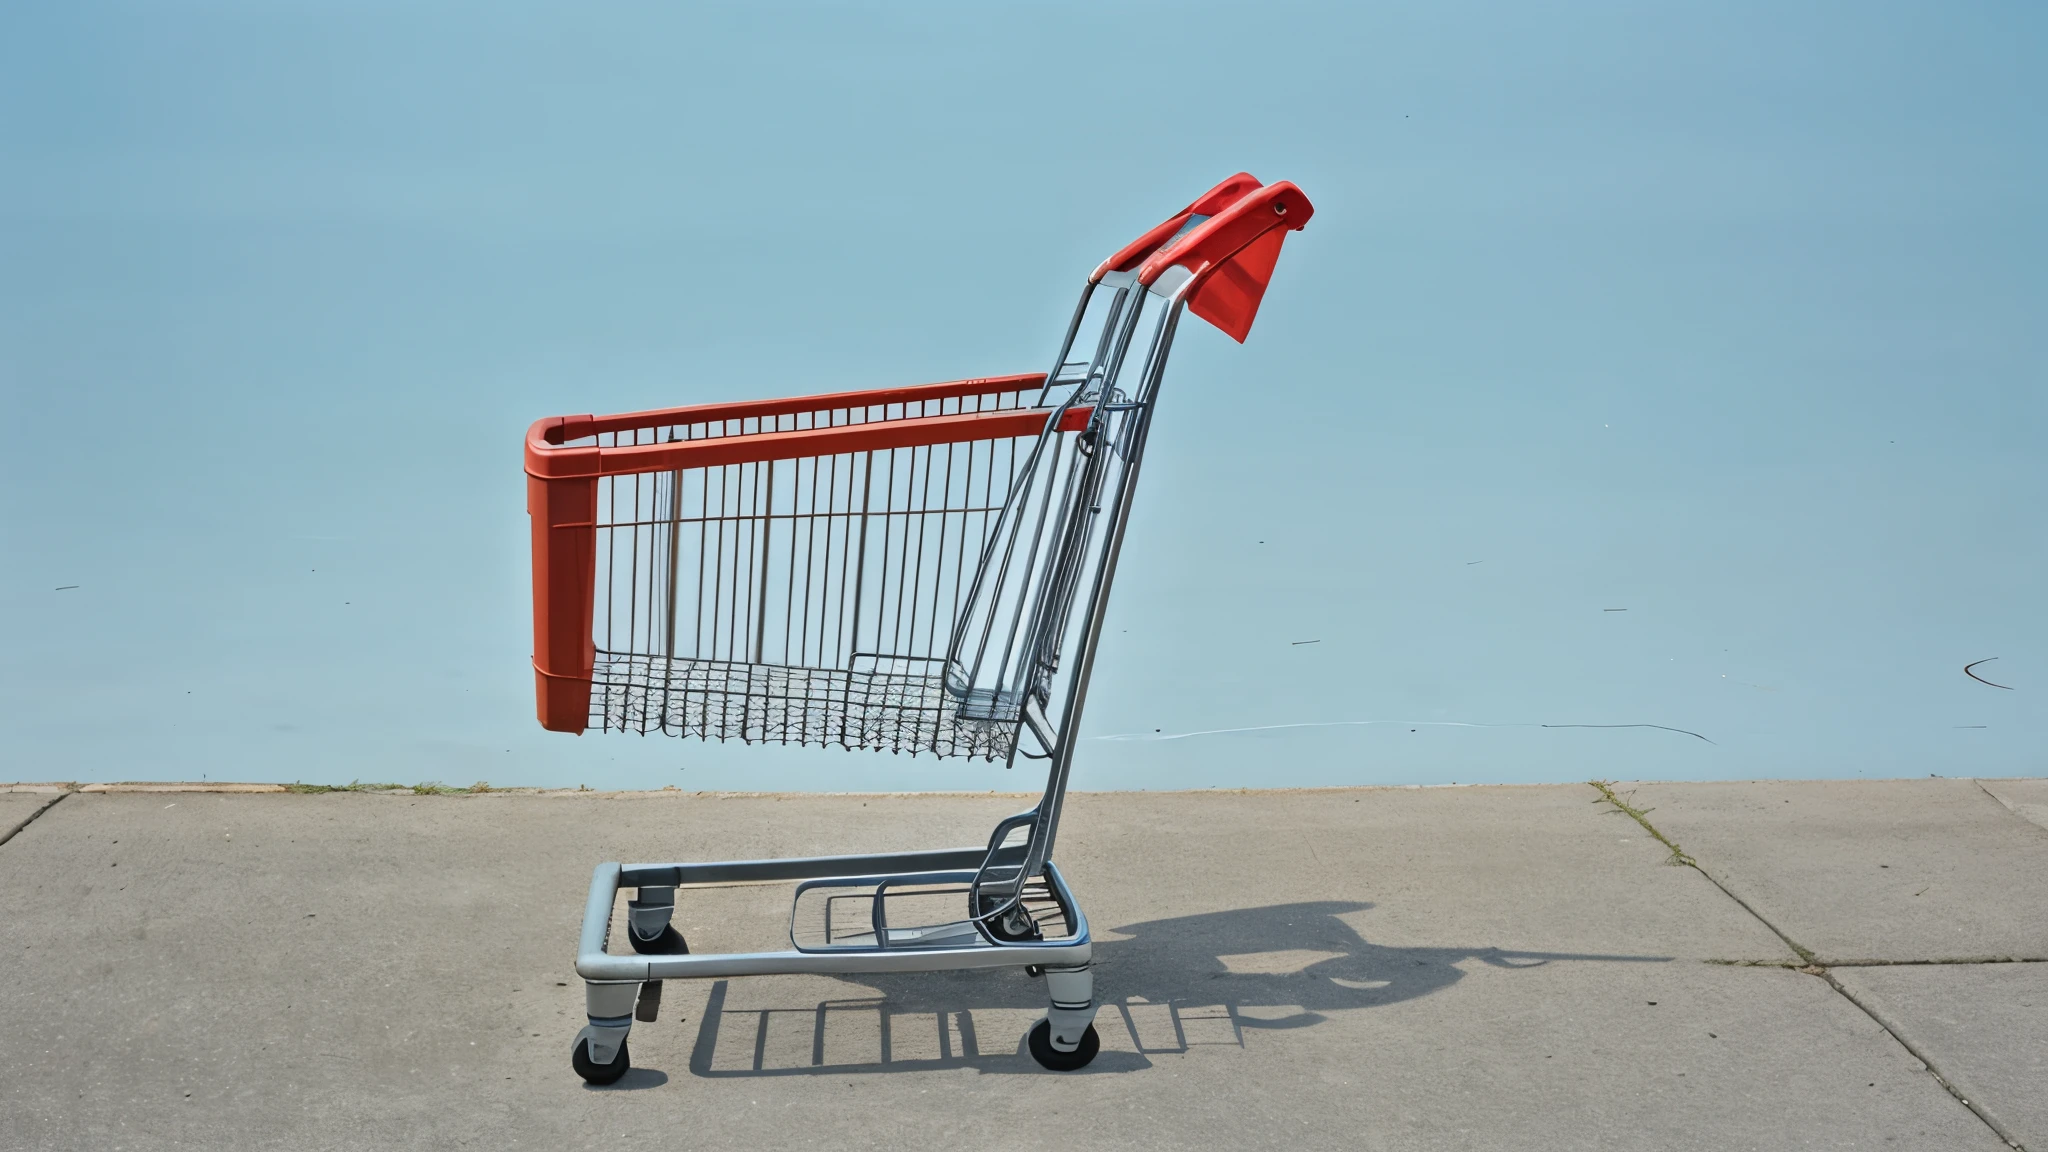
1043 1051
595 1073
1016 924
669 943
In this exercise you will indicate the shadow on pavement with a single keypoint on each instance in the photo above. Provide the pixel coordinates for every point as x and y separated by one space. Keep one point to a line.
1172 985
635 1079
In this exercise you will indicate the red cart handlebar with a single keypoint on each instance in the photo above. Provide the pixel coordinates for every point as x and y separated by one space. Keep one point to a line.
1207 204
1226 242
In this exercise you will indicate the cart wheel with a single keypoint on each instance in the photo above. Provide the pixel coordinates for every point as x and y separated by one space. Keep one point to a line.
669 943
1043 1051
595 1073
1018 925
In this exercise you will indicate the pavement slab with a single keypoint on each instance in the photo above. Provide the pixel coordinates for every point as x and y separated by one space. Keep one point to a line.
1983 1026
1396 968
18 808
2027 798
1901 870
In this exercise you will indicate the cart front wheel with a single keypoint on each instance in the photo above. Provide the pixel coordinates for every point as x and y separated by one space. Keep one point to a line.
595 1073
669 943
1043 1051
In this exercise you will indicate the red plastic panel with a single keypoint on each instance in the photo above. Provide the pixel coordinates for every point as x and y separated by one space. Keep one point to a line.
1232 254
563 515
1208 204
567 428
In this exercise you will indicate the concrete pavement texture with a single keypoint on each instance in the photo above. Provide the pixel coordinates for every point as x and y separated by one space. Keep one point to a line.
1984 1025
1912 870
2028 798
1433 968
18 808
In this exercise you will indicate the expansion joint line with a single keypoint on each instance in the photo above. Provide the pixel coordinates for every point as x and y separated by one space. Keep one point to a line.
1642 816
36 815
1810 964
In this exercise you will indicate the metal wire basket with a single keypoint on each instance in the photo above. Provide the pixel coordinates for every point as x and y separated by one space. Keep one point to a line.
791 571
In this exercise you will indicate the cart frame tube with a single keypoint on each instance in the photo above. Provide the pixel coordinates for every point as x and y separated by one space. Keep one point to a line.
593 963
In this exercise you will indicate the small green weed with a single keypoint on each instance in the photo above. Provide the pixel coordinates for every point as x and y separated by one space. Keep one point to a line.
1642 816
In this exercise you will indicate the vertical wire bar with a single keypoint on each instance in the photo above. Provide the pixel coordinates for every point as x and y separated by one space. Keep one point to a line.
860 568
890 570
703 557
811 555
796 479
611 579
789 614
718 599
915 501
938 586
763 541
920 495
633 600
743 503
675 548
825 618
745 623
946 503
918 511
846 538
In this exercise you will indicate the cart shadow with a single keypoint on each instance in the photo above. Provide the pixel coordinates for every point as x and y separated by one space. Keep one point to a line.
1165 987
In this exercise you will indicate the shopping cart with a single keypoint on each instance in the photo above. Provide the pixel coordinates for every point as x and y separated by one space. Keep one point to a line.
919 569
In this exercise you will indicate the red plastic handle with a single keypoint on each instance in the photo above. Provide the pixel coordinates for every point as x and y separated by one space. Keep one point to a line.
1215 241
1229 256
1208 204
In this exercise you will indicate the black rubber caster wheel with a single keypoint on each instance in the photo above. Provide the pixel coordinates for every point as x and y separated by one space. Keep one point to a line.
1016 925
1043 1051
595 1073
669 943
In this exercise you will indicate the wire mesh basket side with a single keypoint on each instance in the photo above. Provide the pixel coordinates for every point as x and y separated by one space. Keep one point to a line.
806 600
845 410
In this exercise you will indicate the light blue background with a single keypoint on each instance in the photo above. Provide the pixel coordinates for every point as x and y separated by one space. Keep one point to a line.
1729 315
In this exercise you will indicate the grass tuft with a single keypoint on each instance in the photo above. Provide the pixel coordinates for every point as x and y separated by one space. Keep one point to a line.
1642 817
1809 962
425 788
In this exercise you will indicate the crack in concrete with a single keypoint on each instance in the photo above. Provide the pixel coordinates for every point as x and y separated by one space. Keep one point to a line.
36 815
2008 808
1811 965
1940 1078
1642 817
1945 960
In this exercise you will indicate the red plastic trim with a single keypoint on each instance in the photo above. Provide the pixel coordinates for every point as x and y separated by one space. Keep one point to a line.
1217 239
578 427
1207 204
563 514
562 463
1231 255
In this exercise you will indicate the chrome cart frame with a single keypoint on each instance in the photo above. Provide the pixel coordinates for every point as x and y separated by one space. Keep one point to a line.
893 569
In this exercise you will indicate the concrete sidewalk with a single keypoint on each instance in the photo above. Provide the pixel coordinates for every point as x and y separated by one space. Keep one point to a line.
1842 965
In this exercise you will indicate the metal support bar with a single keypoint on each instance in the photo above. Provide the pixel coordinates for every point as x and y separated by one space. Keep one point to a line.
594 964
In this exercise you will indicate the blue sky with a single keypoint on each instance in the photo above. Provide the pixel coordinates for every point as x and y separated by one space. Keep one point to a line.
1725 314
